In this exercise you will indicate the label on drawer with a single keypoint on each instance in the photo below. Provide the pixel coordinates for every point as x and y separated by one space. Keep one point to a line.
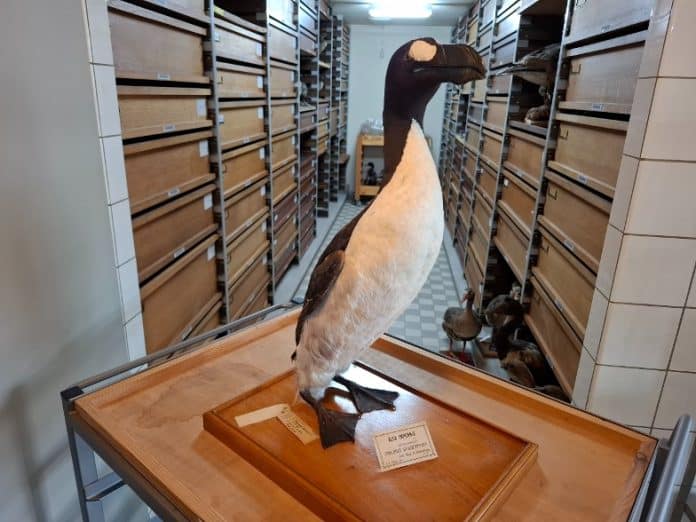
569 245
582 179
174 192
221 118
259 49
207 201
211 252
293 110
259 112
558 304
203 148
263 226
293 140
259 415
262 153
179 252
597 106
297 426
186 333
168 127
163 3
404 446
506 183
259 82
164 76
262 190
200 107
216 36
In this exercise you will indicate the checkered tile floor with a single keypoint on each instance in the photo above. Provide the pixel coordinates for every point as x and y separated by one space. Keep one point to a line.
421 324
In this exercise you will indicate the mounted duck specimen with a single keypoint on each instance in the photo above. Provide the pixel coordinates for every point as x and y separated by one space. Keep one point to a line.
376 265
462 324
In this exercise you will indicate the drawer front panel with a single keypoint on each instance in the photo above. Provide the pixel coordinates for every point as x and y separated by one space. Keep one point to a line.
500 85
479 245
492 147
284 209
286 234
240 82
284 150
496 113
511 245
260 303
308 20
158 170
284 260
168 232
488 182
479 91
590 154
322 111
554 337
507 25
485 40
503 53
281 45
569 284
519 201
244 290
473 137
146 49
470 164
476 112
487 12
172 299
483 213
236 43
282 10
243 166
242 252
284 182
241 124
282 118
474 277
244 208
524 156
578 218
596 17
282 82
307 119
308 44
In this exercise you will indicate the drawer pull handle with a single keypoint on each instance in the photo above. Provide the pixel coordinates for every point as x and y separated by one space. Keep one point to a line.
563 134
553 193
575 68
545 247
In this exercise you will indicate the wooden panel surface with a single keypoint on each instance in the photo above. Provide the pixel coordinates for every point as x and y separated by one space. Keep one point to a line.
242 252
483 213
234 42
524 156
500 85
244 166
282 80
593 17
282 10
512 245
284 182
492 147
503 52
240 81
284 149
155 418
518 199
281 45
496 113
245 208
282 117
244 290
242 123
488 183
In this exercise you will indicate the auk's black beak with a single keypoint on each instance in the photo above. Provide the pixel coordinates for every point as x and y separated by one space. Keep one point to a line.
456 63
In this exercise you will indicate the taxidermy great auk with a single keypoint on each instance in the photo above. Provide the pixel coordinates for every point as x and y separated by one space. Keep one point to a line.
376 265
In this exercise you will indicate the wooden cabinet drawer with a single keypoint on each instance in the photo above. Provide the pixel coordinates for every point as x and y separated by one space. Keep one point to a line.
284 209
589 150
487 12
472 138
323 130
308 44
307 119
241 122
474 277
240 81
484 40
478 91
246 248
518 199
284 182
470 164
282 81
604 79
566 280
451 216
246 289
554 336
169 231
475 112
478 243
322 111
592 17
512 245
245 208
211 320
284 149
488 183
577 217
259 303
243 166
524 156
281 45
496 113
283 260
507 23
152 46
307 237
503 52
322 146
148 111
492 147
234 42
282 116
500 85
308 19
282 10
173 298
483 214
157 170
333 121
286 234
326 11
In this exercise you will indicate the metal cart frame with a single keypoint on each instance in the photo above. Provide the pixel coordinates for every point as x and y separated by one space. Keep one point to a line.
655 501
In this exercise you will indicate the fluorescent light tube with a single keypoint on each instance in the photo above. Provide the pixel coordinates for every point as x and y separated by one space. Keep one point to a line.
386 9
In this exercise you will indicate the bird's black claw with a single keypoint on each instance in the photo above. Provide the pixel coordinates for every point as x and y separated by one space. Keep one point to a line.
334 426
368 399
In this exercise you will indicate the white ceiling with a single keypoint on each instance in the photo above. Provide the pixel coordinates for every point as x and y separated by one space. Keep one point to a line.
445 12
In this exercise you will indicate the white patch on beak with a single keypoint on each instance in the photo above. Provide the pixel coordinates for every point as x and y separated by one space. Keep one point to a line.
422 51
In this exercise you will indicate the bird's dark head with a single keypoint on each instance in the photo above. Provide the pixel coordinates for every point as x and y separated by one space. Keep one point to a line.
469 296
417 69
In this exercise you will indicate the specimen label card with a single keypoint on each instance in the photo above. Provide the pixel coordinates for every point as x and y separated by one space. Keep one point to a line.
404 446
297 426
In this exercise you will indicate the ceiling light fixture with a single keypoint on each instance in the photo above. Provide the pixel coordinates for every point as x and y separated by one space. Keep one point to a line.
387 9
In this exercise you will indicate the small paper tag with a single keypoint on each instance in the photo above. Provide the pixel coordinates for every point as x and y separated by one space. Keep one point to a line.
211 252
293 140
178 252
221 118
404 446
263 226
174 192
297 426
259 82
263 190
200 107
207 201
262 153
582 179
203 148
569 245
168 127
259 112
505 183
216 36
259 415
259 50
164 76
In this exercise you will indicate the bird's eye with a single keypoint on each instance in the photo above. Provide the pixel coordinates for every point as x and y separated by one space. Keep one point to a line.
422 51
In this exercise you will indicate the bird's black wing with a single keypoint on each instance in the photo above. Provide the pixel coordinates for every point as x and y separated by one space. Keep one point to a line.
325 273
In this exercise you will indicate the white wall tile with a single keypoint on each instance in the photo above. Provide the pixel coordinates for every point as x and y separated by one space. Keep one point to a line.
639 336
623 192
639 117
684 357
607 264
122 231
677 399
130 289
672 124
678 56
135 337
662 203
107 100
625 395
99 33
654 43
654 270
583 379
115 169
642 429
691 302
595 323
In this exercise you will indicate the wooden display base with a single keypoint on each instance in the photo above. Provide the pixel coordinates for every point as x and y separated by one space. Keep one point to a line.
477 466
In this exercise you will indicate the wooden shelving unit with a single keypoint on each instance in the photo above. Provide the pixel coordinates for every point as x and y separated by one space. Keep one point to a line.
224 151
526 204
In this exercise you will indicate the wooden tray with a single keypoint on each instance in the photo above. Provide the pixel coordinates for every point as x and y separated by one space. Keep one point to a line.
477 466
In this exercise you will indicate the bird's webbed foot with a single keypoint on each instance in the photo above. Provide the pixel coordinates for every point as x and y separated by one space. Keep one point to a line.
368 399
334 426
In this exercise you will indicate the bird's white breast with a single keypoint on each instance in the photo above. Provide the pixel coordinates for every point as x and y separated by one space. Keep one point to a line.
389 256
